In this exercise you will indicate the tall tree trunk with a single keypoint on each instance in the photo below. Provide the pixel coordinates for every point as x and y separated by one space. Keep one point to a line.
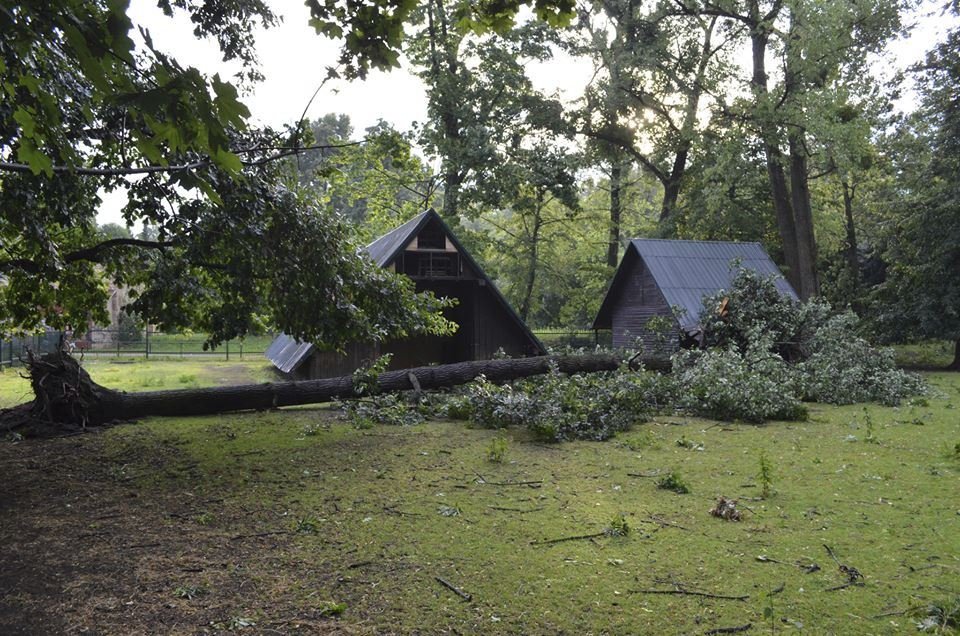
451 196
443 68
671 187
67 399
613 247
786 226
853 262
955 365
803 217
533 258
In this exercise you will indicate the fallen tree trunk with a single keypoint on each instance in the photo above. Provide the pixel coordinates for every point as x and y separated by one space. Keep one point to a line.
68 399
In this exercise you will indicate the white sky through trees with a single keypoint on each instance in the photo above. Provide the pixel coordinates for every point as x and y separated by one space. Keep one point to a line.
294 61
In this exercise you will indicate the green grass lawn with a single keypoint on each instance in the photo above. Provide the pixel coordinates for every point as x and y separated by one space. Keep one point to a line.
274 518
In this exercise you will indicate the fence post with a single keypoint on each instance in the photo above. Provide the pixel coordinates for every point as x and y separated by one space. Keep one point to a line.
241 351
147 340
228 350
181 349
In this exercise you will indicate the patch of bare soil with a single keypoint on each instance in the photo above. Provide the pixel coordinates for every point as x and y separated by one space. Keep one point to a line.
82 551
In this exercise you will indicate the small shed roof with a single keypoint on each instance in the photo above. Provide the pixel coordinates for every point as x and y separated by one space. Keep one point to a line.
287 354
687 271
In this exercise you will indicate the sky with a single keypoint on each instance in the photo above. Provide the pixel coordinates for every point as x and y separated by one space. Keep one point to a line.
294 61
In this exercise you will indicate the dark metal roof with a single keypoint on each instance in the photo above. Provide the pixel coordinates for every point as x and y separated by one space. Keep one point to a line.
287 354
388 247
687 271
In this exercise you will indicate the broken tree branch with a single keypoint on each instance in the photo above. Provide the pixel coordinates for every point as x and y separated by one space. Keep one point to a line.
729 630
681 591
595 535
453 588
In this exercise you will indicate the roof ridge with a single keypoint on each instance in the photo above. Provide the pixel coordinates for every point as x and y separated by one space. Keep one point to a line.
663 240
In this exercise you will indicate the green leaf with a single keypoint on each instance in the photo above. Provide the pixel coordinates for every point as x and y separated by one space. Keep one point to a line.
32 156
228 161
25 119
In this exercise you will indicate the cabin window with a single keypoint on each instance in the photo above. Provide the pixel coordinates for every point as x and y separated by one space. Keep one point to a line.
432 237
431 264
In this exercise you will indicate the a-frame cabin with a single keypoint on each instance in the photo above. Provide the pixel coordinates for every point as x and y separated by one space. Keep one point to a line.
426 250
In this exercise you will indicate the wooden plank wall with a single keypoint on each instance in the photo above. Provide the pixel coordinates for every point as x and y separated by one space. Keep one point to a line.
638 301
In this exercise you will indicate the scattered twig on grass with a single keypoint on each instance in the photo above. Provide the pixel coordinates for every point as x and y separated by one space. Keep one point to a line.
778 589
899 613
682 591
728 630
453 588
257 535
650 473
142 545
854 577
400 513
522 510
359 564
533 484
806 567
663 522
595 535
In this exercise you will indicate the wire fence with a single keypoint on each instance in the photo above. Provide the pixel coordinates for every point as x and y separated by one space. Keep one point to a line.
127 343
12 350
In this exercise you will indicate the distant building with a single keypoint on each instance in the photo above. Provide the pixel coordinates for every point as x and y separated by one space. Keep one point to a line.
670 278
426 250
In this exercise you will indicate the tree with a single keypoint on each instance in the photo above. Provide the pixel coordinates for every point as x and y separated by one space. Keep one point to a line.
818 46
654 65
921 295
538 193
378 183
477 95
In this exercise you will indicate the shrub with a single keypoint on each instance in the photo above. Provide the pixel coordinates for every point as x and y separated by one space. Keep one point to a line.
497 450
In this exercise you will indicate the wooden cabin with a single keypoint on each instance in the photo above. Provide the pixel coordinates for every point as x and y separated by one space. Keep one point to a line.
426 250
670 278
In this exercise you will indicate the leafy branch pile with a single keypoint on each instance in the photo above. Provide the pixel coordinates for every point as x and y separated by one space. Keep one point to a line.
765 356
559 408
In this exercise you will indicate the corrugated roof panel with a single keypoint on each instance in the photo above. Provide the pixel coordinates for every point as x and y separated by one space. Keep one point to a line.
287 354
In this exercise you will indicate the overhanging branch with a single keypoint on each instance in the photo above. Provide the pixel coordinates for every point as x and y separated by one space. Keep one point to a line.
281 152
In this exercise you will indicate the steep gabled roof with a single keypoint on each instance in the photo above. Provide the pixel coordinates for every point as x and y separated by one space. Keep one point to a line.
687 271
386 248
287 354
